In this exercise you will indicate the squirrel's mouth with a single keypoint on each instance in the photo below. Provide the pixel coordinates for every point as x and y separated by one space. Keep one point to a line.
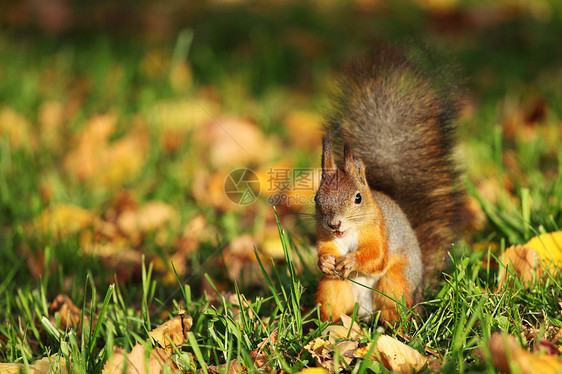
339 234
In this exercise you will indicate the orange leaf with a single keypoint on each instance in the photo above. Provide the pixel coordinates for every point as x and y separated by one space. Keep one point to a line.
519 260
507 354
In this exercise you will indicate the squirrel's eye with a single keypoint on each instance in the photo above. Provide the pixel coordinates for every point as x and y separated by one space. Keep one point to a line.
358 198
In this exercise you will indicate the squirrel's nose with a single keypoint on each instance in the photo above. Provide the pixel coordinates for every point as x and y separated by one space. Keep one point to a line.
334 225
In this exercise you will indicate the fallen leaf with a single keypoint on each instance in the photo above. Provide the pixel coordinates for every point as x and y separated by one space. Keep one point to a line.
240 260
136 362
46 365
232 367
318 348
523 260
519 260
126 261
314 371
173 332
177 119
234 143
506 353
549 247
209 190
395 355
152 216
64 220
347 350
91 142
258 355
16 128
355 332
103 163
69 313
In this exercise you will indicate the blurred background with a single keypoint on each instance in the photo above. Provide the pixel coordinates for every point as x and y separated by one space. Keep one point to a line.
121 121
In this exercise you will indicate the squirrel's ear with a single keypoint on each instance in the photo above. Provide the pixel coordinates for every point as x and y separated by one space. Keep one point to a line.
327 156
353 165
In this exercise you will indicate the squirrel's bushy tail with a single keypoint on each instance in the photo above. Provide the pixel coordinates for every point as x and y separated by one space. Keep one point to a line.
398 120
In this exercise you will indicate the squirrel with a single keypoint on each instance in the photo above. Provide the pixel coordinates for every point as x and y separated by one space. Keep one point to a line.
387 214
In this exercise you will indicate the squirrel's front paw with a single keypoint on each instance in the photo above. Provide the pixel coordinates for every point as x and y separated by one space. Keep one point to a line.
327 264
346 265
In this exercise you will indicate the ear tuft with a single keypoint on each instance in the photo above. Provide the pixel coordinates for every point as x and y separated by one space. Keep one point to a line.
348 159
327 156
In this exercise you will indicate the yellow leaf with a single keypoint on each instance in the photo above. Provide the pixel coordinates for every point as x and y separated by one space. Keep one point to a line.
45 365
548 246
395 355
64 219
399 357
314 371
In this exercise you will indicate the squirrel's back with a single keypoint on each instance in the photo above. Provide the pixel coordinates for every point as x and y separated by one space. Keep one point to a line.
398 120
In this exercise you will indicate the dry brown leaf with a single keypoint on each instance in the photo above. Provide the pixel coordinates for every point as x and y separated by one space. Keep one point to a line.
347 350
136 361
261 359
118 255
395 355
103 163
521 261
152 216
234 143
84 160
69 313
399 357
173 332
232 367
343 338
318 348
240 260
209 190
123 158
349 330
234 306
356 332
506 354
45 365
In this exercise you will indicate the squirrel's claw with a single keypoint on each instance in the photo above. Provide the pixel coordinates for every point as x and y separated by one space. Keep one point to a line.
327 264
346 265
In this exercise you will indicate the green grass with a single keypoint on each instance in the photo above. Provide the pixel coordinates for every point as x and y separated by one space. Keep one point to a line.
247 65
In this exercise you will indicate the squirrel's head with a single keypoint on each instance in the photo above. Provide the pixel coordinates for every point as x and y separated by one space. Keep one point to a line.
343 200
